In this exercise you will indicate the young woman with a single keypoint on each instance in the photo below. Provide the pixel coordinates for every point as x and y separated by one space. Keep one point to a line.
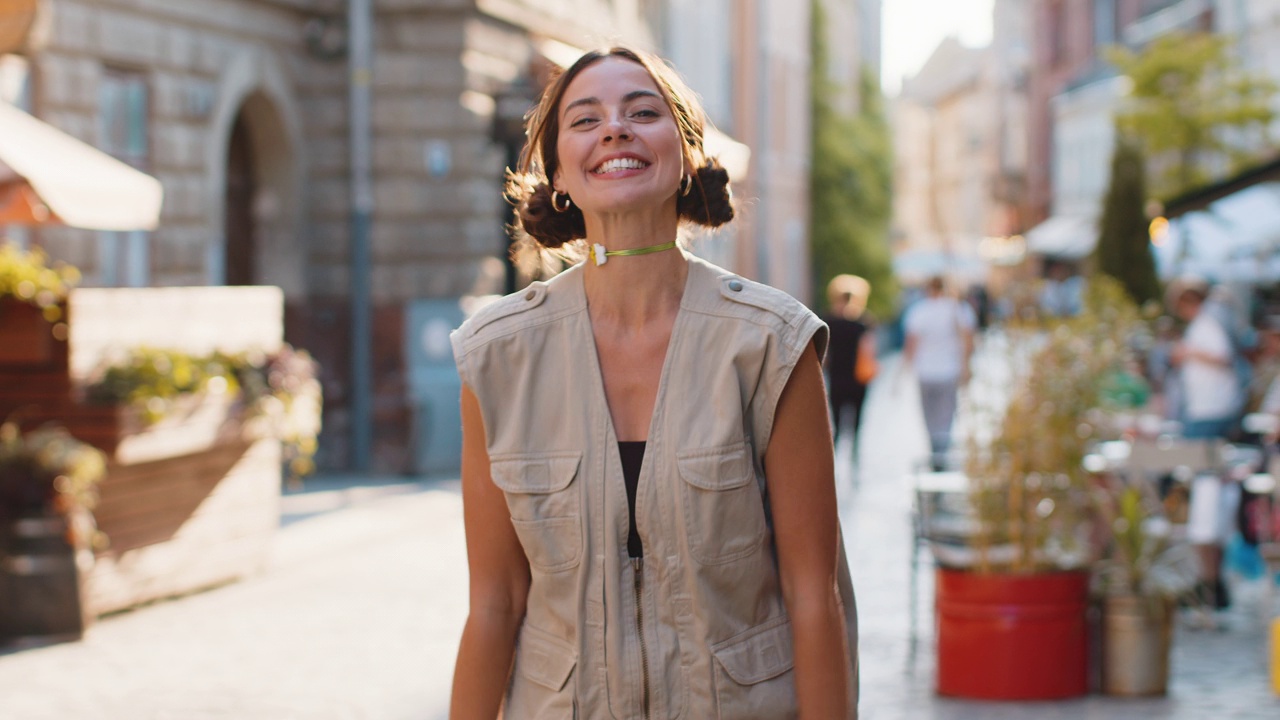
647 466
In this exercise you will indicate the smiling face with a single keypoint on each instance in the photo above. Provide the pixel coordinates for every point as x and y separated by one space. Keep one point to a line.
618 148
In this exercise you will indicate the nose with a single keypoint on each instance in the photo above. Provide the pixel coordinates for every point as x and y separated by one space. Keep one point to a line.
616 128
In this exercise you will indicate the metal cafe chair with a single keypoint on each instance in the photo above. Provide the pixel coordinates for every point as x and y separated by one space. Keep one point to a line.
941 522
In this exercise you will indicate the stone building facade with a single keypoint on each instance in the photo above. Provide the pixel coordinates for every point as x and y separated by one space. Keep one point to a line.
240 108
955 184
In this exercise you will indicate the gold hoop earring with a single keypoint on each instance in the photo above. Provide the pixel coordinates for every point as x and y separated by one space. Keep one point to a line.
555 201
686 184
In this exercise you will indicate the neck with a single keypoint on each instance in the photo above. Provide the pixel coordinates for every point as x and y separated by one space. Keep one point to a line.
636 289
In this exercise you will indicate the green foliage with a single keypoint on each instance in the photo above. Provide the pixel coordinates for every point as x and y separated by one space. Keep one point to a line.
1192 105
281 388
1030 491
851 183
46 470
1141 558
26 275
1124 248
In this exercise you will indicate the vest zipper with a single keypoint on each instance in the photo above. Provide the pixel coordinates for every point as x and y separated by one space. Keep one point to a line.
638 565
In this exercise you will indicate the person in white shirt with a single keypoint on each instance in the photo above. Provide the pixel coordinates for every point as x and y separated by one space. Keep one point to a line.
1211 396
1205 361
939 340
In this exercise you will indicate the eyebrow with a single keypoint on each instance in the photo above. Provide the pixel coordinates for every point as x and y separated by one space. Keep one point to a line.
625 99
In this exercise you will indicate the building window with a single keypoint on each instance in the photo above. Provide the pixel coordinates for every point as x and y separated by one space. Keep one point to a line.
124 258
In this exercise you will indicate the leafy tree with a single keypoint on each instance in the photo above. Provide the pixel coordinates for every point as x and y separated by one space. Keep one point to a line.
1193 106
1124 250
851 182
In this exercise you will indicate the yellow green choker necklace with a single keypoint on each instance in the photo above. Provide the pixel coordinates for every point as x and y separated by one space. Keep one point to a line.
600 256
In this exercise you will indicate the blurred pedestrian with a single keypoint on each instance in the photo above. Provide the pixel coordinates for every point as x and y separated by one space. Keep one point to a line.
647 477
1205 359
939 343
1211 392
1062 294
851 357
1266 364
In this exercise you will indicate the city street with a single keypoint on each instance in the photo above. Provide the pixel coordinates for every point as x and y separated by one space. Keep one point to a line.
360 615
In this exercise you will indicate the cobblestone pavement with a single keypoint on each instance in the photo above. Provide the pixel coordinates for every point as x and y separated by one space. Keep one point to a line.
360 613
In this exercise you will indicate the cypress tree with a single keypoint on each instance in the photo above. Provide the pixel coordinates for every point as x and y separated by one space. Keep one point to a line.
1124 246
850 183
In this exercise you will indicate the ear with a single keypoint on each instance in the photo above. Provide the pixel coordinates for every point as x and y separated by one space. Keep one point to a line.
555 182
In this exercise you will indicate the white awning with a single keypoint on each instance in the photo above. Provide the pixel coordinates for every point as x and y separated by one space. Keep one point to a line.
733 155
47 175
1070 237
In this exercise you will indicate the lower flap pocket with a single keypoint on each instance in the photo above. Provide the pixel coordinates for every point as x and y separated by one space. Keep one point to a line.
761 653
544 658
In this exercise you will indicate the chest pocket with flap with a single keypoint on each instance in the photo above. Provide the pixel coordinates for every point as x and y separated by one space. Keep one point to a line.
544 503
723 507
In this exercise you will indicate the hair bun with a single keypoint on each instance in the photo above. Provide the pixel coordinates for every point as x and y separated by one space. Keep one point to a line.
710 200
549 227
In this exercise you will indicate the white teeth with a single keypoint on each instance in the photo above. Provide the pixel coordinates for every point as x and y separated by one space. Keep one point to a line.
620 164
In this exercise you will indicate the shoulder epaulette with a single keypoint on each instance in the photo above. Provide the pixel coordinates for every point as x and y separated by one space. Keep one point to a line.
759 295
513 304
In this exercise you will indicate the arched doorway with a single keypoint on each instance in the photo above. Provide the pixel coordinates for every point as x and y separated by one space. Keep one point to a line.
241 188
261 242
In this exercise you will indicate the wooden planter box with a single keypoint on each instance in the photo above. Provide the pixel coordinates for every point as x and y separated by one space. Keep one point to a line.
191 501
42 588
25 336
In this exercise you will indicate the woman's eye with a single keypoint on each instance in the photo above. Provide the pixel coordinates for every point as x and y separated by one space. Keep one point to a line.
582 121
645 113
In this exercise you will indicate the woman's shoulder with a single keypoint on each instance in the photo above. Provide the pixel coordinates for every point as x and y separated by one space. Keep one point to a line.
520 309
721 292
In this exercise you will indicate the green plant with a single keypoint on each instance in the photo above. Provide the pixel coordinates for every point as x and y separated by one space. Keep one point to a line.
1140 556
851 182
1193 105
1029 490
27 276
47 470
280 390
1124 246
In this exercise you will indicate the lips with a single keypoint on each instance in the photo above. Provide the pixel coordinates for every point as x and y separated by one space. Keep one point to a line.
616 164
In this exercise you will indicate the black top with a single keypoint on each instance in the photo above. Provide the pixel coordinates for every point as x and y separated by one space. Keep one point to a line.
842 351
632 455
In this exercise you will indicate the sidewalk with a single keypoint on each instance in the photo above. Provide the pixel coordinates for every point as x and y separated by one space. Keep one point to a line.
360 613
358 617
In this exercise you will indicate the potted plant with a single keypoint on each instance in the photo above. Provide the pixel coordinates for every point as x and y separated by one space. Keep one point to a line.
32 294
275 394
1012 618
1140 576
48 487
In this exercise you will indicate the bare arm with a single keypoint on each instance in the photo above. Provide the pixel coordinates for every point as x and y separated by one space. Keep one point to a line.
499 580
801 482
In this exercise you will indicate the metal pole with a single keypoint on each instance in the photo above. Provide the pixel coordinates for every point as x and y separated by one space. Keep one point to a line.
360 61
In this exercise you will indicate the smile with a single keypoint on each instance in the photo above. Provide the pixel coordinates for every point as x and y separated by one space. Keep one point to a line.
616 164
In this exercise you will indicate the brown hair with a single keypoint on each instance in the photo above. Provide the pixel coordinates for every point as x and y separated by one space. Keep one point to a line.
709 202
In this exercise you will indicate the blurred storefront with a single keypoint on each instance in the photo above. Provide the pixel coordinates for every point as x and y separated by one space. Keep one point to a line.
1228 232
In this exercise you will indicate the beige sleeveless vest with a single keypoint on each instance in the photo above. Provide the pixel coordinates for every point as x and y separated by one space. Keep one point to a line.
698 629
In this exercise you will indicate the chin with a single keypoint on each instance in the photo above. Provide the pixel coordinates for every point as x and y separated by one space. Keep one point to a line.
624 202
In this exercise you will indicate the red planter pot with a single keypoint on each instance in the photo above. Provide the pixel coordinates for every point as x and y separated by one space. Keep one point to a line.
1012 637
